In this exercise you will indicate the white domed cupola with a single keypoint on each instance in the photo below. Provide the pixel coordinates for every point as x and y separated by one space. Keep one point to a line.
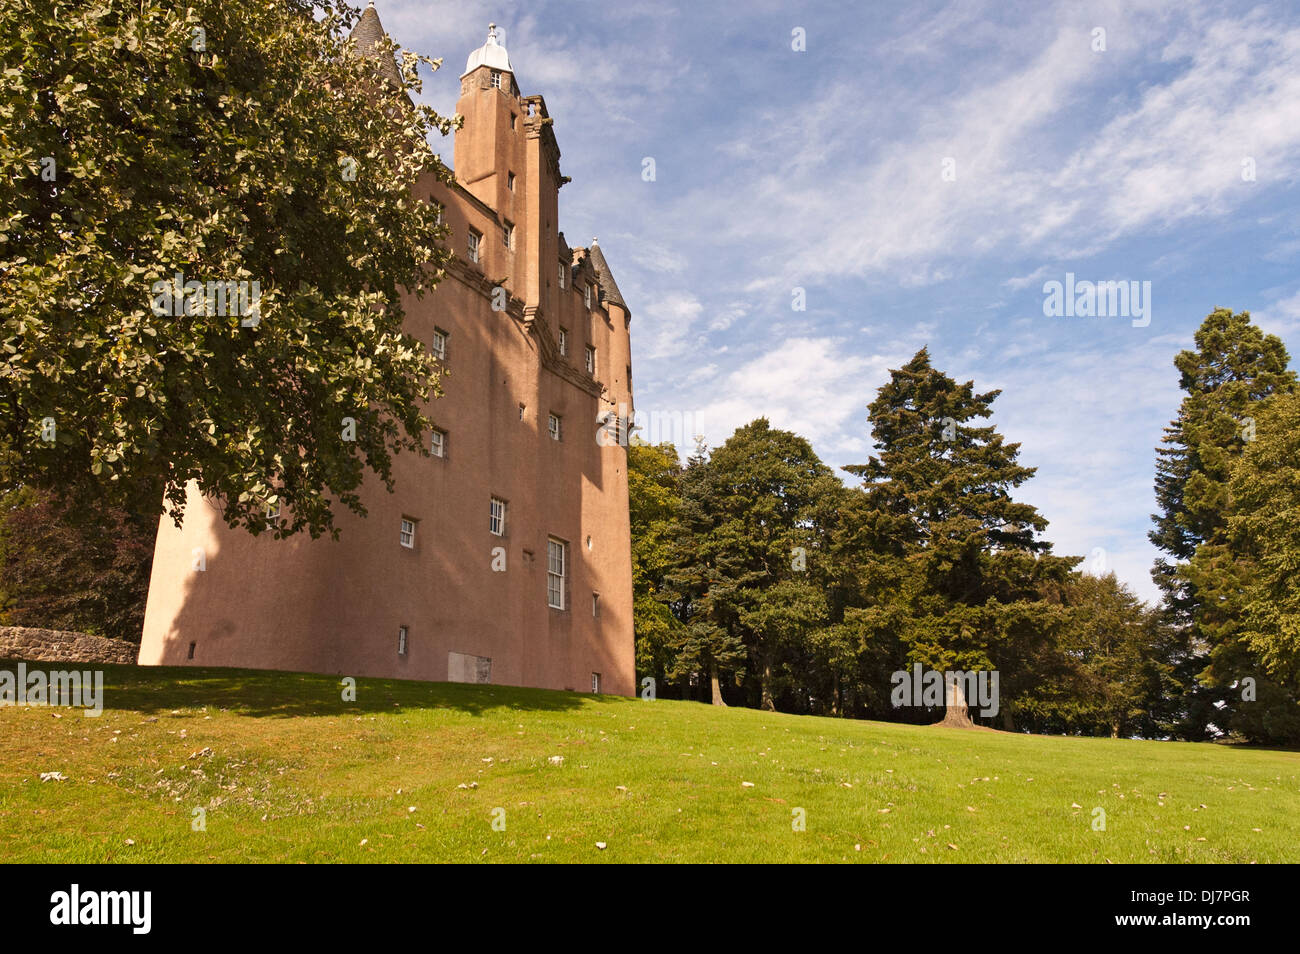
491 54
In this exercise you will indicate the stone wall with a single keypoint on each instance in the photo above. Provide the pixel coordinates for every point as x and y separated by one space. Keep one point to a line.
52 645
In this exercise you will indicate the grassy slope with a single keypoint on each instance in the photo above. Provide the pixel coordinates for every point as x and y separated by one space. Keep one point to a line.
297 775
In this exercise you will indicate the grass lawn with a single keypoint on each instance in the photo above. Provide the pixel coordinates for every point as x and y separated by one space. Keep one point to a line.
416 772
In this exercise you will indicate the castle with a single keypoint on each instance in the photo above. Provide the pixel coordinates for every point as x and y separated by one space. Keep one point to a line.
505 556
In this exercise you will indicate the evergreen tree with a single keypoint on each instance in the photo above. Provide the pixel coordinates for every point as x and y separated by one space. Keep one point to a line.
654 506
1233 368
972 597
754 521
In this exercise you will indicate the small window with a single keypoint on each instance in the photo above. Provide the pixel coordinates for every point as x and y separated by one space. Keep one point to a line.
497 523
591 360
562 271
474 239
595 605
586 294
439 345
408 533
272 516
556 572
401 640
438 443
508 235
438 213
564 341
595 682
629 377
496 83
513 117
521 412
553 425
510 178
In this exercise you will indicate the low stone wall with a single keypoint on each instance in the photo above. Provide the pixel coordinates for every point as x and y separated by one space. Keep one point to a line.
52 645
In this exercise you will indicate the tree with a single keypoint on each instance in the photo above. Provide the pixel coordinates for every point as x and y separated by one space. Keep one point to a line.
754 532
248 148
654 505
1263 532
1234 368
1109 671
64 566
971 599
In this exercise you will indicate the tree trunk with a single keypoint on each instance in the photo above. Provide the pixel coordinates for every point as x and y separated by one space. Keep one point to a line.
767 702
956 716
835 697
1114 730
1008 722
713 682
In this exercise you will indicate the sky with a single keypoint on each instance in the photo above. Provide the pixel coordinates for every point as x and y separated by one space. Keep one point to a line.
920 172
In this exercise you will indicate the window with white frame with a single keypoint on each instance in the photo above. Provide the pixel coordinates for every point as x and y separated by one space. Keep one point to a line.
438 443
591 360
496 79
595 605
407 537
402 633
553 425
586 294
595 682
438 213
474 239
439 345
508 234
564 341
557 568
562 271
497 523
272 516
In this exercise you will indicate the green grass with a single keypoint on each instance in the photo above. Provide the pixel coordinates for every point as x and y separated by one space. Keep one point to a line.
295 774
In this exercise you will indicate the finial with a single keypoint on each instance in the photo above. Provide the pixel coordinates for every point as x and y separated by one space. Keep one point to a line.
371 3
594 242
492 32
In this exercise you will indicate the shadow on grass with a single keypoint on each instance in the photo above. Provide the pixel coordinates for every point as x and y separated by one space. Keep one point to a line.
266 693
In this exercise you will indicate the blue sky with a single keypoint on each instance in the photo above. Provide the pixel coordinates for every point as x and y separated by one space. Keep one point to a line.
823 170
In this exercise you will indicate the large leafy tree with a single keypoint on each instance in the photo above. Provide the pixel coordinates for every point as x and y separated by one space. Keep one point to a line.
755 518
225 141
1233 369
972 596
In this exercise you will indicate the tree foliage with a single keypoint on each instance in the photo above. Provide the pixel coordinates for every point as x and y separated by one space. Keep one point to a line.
222 141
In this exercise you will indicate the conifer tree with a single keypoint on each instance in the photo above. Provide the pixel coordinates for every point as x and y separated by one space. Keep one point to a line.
1234 367
972 600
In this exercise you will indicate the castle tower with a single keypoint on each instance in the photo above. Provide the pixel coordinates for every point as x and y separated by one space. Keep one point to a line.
504 556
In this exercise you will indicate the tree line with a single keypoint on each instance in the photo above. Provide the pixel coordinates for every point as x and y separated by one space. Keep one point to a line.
760 579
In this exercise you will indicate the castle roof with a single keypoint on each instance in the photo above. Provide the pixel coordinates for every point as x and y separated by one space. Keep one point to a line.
604 277
368 32
491 54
